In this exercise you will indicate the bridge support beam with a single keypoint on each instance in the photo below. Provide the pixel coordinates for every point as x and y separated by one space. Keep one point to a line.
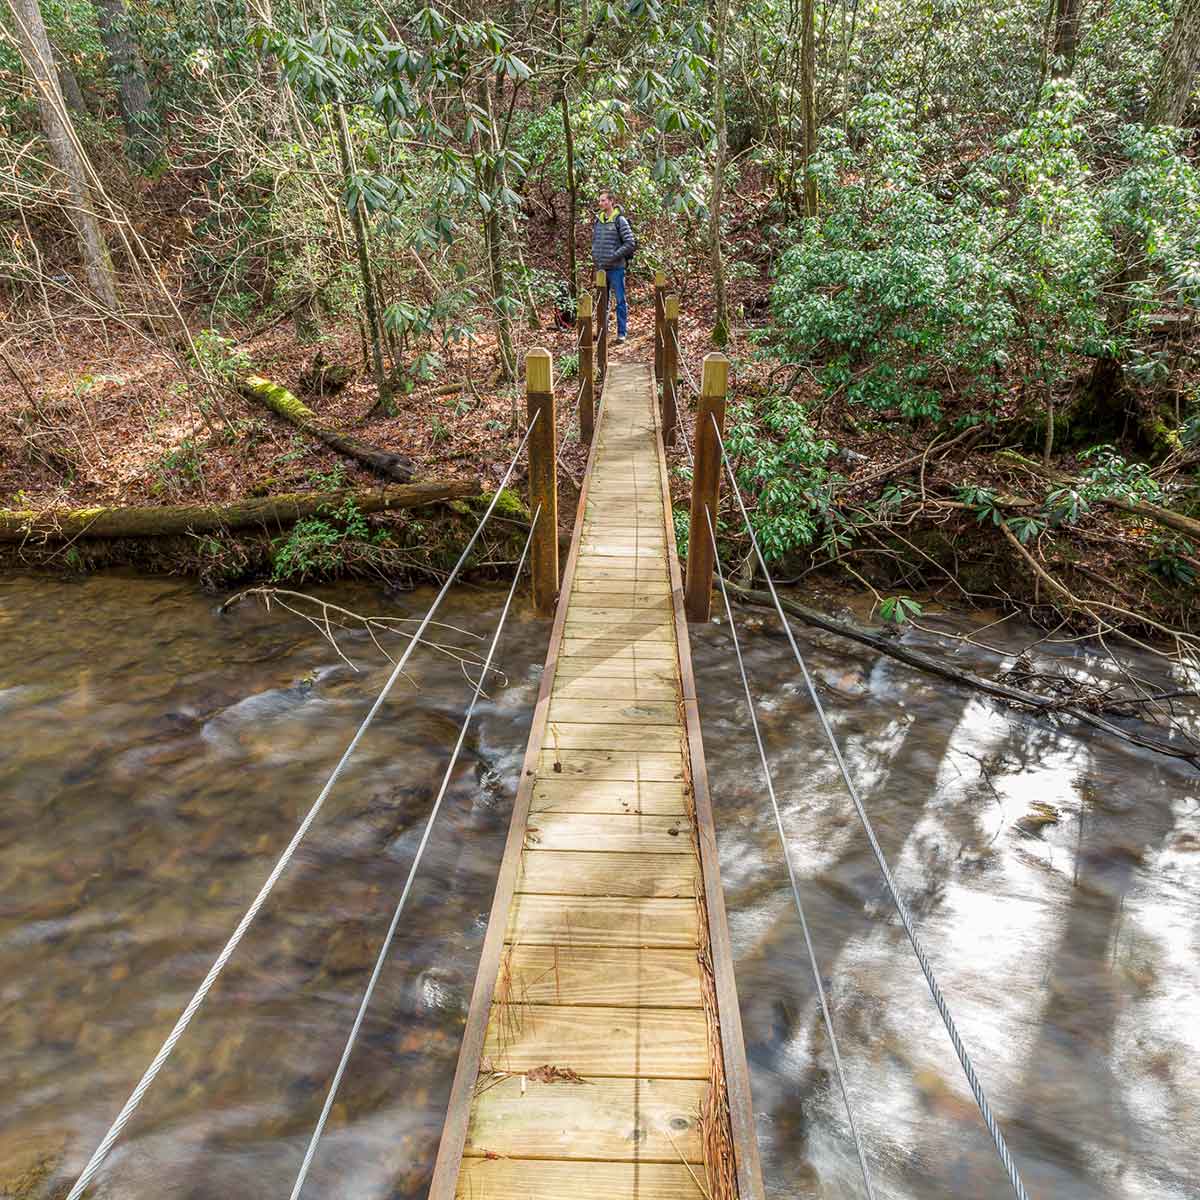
706 488
543 479
587 368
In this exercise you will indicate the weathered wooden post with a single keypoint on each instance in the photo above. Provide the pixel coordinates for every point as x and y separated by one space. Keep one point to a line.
706 487
660 329
587 402
543 478
670 377
602 328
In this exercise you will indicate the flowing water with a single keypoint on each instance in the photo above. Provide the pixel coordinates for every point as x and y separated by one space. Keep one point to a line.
156 755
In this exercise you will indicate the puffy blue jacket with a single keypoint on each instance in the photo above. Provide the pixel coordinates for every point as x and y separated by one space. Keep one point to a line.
612 240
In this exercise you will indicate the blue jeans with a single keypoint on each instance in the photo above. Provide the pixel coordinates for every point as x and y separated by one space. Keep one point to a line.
615 279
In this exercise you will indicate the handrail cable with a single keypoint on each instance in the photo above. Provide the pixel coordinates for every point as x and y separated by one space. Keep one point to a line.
906 920
791 870
412 873
185 1018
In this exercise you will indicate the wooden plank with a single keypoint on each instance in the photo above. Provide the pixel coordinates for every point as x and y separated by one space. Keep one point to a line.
611 834
643 566
583 666
523 1179
621 872
626 688
598 921
622 1120
620 712
608 796
666 1043
608 764
650 739
620 617
594 647
603 975
603 593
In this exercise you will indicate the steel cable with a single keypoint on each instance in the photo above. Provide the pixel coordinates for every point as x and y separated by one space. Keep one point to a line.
791 870
185 1018
412 874
906 920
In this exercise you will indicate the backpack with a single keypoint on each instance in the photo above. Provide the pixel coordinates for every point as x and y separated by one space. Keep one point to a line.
634 248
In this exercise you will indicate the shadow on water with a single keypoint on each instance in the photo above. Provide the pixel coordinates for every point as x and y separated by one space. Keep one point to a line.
1020 849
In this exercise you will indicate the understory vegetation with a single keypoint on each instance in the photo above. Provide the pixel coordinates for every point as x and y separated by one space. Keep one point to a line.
953 252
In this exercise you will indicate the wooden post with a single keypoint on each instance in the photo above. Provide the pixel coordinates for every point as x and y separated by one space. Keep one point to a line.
587 401
660 332
670 375
543 478
706 487
602 328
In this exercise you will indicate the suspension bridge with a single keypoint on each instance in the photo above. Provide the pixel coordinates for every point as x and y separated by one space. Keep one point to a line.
602 1054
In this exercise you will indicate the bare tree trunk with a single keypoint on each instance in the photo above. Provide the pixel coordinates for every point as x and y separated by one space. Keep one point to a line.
721 322
383 391
1181 54
569 139
39 61
808 101
1066 36
143 142
487 178
69 85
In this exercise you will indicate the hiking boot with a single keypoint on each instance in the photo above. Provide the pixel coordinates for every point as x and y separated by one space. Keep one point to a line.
620 339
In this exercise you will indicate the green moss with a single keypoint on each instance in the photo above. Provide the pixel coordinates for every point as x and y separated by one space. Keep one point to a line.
509 505
278 399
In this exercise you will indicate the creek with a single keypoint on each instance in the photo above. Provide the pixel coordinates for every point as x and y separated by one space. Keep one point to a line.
156 755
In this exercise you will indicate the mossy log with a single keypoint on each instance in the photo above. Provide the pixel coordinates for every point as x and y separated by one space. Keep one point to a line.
1143 508
281 402
269 512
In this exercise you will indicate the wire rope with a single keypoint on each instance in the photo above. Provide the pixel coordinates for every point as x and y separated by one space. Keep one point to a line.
906 920
185 1018
319 1129
791 870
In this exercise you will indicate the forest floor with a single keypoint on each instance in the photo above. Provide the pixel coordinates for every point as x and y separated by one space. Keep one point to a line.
91 415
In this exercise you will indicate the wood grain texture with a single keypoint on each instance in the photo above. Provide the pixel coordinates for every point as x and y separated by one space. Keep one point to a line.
609 764
669 1043
522 1179
611 834
575 921
622 1120
614 712
620 873
663 978
608 796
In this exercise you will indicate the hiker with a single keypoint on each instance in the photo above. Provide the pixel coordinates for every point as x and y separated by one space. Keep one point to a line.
613 245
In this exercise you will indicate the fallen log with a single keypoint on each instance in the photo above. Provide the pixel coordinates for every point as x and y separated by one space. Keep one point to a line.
66 524
1143 508
281 402
991 687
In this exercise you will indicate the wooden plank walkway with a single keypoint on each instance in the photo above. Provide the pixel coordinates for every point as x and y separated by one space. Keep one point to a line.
603 1053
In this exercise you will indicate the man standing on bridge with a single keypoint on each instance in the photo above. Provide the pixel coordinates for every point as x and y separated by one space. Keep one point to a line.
613 245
